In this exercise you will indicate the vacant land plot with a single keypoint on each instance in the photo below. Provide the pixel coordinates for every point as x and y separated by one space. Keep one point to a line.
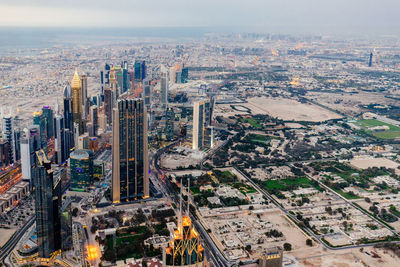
289 109
367 162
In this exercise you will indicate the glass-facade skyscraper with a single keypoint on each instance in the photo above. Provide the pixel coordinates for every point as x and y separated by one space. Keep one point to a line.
81 168
47 207
130 152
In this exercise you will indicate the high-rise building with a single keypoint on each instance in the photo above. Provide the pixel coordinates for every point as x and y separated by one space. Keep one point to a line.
147 92
49 119
85 104
370 59
140 70
60 139
4 153
164 86
185 75
108 104
47 207
8 134
199 124
81 168
169 124
39 120
68 117
30 143
185 248
76 86
94 120
130 177
271 257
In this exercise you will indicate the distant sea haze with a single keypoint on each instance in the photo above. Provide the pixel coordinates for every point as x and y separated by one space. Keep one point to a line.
15 39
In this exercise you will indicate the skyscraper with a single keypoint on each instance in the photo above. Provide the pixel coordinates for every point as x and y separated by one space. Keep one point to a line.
147 92
370 60
76 86
30 143
108 104
81 169
59 139
94 120
68 119
49 120
40 120
8 134
202 135
130 178
4 153
140 70
47 206
164 86
85 105
185 75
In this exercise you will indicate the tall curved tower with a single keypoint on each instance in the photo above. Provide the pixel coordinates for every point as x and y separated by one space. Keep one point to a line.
76 86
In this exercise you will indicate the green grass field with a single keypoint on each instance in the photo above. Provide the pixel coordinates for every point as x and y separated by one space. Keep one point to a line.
253 122
392 133
284 183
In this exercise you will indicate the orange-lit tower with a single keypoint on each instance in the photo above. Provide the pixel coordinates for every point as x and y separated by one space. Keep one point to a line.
185 248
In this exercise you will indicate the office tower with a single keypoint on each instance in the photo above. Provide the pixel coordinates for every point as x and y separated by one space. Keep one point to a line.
140 70
185 248
178 77
94 120
200 122
40 120
68 109
169 124
84 95
30 143
147 93
125 76
114 83
60 139
119 78
108 104
81 169
164 86
76 86
185 75
271 257
49 119
103 122
47 207
370 60
130 178
17 145
4 153
8 134
76 134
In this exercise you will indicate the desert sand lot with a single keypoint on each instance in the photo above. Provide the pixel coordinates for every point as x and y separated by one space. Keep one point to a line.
318 257
5 235
289 109
349 103
366 162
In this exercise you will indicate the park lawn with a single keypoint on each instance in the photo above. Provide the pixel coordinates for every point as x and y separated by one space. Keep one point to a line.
253 122
346 195
228 173
392 133
273 184
195 190
298 181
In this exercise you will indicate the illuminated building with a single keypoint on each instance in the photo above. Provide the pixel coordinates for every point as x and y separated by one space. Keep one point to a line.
76 86
185 248
164 86
47 207
81 169
4 153
271 257
130 177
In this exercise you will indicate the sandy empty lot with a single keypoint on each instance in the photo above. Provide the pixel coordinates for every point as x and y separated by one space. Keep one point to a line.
366 162
289 109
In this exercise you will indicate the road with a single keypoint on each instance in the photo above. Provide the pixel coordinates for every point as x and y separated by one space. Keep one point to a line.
164 184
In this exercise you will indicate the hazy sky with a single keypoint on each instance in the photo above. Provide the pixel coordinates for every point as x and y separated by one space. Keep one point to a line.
307 15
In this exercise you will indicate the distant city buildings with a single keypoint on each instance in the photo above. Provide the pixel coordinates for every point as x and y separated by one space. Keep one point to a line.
130 177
